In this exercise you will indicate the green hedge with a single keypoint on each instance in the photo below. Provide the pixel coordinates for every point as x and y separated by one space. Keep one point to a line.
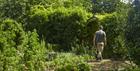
61 26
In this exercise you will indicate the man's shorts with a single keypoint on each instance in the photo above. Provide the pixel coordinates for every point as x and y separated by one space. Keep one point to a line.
100 46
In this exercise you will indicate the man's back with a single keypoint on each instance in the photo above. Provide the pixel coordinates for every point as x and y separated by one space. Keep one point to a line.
100 36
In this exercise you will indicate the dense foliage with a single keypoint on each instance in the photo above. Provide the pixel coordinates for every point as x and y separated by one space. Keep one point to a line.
105 6
61 26
20 50
69 62
31 29
132 31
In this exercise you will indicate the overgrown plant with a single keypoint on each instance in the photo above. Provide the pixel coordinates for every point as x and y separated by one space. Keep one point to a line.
20 50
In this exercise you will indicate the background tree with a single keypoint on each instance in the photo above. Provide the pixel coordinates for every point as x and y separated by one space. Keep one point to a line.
132 31
105 6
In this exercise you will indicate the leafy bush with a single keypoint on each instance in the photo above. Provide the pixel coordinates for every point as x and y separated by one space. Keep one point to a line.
69 62
34 57
10 32
20 50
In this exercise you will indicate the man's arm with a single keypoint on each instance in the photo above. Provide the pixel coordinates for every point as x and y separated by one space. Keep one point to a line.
105 41
94 40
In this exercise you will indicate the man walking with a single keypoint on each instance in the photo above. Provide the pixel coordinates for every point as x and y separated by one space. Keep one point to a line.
99 42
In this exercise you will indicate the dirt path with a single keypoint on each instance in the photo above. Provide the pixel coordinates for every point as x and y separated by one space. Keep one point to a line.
107 65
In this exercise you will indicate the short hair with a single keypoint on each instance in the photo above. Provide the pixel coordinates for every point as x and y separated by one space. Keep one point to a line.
101 27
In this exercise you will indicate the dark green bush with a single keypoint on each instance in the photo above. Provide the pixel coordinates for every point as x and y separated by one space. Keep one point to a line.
17 9
133 33
61 26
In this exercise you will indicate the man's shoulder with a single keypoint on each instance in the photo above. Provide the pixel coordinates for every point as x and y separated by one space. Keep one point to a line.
104 33
100 31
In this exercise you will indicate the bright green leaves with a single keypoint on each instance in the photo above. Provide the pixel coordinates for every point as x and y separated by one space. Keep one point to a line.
17 48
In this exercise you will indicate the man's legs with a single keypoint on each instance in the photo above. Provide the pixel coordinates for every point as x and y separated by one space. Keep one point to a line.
100 47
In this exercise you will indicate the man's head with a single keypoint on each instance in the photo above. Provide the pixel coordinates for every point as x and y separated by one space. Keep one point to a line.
100 27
